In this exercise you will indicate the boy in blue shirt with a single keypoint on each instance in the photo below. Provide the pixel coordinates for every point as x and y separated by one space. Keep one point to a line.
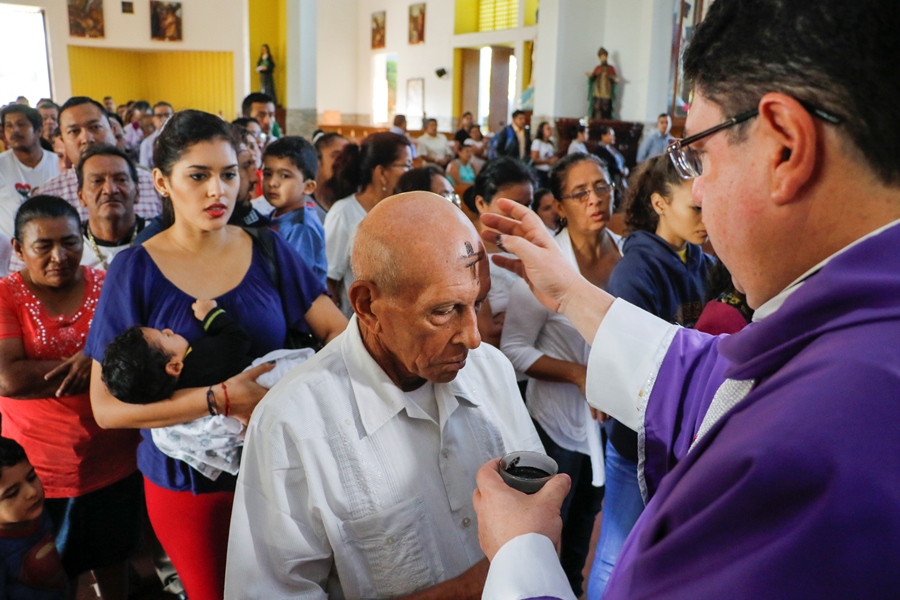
290 166
30 567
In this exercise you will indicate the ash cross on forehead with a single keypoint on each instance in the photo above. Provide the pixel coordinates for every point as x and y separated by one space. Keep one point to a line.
474 258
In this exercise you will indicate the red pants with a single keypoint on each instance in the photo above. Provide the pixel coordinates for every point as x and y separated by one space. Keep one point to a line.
193 530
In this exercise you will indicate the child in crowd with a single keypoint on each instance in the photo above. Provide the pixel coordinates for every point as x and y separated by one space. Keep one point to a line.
144 365
30 567
290 166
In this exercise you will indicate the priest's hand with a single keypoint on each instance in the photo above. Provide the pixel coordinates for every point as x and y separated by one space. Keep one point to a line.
505 513
556 283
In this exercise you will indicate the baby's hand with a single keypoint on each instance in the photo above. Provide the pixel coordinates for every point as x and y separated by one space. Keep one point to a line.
202 308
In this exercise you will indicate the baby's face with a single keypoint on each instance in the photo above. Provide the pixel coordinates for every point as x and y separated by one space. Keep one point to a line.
172 344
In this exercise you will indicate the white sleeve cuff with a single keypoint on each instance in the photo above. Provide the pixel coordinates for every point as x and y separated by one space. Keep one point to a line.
624 358
527 567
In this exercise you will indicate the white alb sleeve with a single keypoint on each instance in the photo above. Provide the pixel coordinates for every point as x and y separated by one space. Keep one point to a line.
625 357
527 567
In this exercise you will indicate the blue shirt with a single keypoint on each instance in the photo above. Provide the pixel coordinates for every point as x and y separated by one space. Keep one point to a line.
304 232
137 293
30 566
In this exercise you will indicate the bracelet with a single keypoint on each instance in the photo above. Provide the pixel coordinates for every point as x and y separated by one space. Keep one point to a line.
211 402
227 400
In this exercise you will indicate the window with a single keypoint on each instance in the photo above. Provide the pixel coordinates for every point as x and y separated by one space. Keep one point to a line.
498 14
22 35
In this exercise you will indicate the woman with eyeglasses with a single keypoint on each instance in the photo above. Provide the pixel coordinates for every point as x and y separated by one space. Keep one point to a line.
664 271
364 175
430 178
546 347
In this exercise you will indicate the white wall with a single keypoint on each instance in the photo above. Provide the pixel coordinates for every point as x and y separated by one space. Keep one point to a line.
420 60
638 35
212 25
336 56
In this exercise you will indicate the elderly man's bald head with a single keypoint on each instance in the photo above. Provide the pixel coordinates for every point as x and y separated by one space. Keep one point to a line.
408 235
421 277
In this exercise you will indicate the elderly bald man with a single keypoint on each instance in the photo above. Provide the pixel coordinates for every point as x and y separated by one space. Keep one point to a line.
359 466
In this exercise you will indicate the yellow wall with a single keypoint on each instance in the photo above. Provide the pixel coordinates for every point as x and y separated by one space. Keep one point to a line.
268 25
466 16
201 80
531 12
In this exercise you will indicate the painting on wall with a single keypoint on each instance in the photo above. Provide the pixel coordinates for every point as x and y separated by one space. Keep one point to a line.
415 100
417 23
128 8
86 18
165 21
378 29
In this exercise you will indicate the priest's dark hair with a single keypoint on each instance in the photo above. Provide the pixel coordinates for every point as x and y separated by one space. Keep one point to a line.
838 56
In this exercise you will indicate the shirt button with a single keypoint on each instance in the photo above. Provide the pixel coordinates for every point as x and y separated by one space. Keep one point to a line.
445 453
389 541
466 522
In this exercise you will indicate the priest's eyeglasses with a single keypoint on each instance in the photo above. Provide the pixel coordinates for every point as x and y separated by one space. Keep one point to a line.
688 162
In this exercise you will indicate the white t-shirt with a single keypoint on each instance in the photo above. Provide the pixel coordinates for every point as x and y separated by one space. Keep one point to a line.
341 224
17 182
433 147
577 146
545 150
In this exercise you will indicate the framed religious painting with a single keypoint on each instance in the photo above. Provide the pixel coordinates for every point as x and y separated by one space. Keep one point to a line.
165 21
417 23
378 29
86 18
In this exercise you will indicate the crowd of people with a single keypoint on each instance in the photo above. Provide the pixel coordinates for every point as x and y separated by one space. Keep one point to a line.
288 366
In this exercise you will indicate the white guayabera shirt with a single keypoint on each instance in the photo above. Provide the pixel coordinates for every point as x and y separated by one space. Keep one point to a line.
349 489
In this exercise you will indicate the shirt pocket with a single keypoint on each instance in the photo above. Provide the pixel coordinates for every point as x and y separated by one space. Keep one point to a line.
398 549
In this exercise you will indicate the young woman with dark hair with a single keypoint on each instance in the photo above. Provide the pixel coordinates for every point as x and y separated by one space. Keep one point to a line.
328 148
200 256
664 272
364 175
543 154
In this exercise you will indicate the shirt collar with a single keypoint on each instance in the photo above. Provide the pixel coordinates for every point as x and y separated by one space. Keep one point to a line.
378 399
773 304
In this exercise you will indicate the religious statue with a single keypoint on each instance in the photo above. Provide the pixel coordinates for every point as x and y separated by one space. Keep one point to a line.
266 66
602 87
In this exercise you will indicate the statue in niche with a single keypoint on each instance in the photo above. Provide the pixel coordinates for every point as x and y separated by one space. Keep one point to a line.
602 87
265 66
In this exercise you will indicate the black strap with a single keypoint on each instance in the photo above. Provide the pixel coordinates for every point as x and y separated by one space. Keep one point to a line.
264 239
